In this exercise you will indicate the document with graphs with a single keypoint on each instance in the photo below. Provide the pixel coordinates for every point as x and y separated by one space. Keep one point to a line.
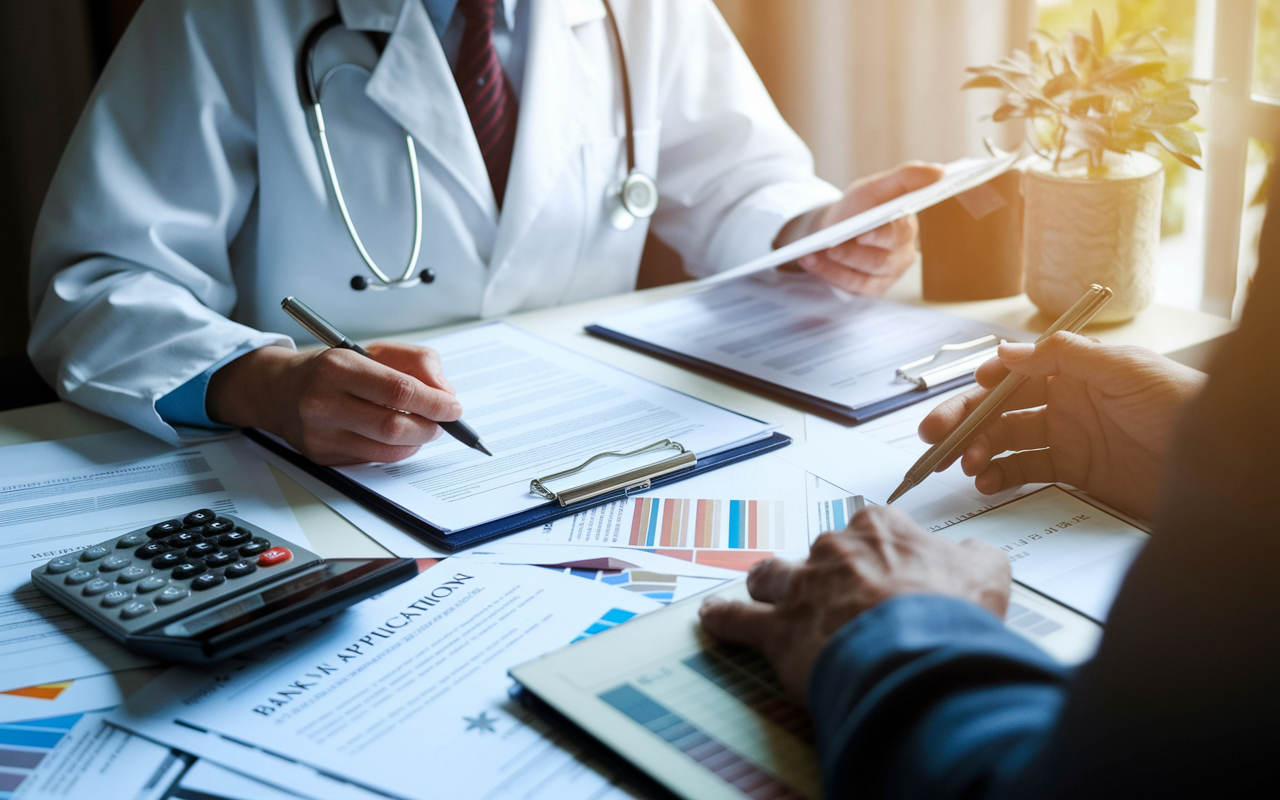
402 695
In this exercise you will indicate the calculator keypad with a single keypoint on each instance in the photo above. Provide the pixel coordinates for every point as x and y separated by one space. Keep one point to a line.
147 577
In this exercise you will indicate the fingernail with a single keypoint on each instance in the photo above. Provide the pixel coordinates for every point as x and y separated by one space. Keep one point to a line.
710 602
1016 351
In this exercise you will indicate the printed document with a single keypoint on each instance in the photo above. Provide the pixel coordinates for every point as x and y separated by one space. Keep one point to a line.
405 693
60 496
799 333
958 176
541 409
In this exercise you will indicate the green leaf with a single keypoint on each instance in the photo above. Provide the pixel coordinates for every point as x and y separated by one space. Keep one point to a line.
1099 40
1079 51
1190 162
1131 73
984 82
1006 111
1034 48
1081 106
1061 83
1178 141
1162 114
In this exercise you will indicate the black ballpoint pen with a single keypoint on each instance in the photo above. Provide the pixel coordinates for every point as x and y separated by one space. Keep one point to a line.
331 336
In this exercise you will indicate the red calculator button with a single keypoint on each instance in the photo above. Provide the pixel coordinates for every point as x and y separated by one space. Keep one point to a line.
276 555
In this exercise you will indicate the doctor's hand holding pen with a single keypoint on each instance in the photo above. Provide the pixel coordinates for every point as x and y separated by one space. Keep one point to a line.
1098 417
870 263
334 405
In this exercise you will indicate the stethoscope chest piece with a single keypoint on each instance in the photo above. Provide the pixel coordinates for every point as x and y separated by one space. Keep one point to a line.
637 198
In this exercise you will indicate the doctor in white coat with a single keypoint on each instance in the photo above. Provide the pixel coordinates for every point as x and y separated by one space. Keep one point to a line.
193 197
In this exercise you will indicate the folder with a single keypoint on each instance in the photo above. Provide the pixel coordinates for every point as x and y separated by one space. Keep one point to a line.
794 336
567 432
561 502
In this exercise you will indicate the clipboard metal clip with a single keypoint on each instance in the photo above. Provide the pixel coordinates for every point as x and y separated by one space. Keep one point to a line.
633 480
950 362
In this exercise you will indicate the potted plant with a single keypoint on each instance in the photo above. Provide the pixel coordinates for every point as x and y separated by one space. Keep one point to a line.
1092 106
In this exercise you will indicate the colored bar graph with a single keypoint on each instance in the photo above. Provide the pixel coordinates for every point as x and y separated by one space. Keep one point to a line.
707 524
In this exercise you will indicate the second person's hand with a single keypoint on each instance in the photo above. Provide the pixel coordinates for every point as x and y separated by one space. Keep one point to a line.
1098 417
336 406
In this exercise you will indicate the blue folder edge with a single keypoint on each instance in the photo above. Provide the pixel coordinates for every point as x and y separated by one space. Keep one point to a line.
855 415
466 537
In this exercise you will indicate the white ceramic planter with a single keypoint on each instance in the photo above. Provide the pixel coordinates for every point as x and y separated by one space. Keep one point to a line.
1078 231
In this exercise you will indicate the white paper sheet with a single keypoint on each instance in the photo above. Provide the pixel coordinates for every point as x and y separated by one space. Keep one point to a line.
540 408
728 517
958 176
404 693
798 332
1060 546
57 497
92 693
90 761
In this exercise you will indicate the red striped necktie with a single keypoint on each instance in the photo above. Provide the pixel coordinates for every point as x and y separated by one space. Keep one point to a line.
486 92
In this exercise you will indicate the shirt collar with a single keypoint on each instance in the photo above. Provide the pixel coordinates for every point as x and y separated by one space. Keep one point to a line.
441 13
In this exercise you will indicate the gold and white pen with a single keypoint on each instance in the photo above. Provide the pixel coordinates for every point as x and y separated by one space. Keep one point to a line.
1073 320
318 327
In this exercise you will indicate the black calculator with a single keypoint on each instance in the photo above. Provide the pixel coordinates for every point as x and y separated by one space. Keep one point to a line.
208 586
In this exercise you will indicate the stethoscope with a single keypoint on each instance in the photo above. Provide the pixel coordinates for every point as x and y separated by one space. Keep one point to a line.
636 197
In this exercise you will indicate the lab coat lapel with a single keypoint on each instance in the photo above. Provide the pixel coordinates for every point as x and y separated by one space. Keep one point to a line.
559 89
413 83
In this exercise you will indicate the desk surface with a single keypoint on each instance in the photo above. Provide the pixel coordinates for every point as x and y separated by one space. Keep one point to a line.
1186 335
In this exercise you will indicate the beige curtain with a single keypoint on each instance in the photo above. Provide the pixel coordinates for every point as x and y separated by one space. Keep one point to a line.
871 83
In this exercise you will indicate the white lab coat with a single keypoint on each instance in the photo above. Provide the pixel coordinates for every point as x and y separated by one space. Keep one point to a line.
191 199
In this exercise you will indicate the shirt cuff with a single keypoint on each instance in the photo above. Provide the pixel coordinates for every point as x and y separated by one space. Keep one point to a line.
186 404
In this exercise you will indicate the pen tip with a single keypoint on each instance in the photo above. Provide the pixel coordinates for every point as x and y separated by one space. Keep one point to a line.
480 446
899 492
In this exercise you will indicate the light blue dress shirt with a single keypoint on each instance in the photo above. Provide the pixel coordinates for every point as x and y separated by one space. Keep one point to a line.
186 404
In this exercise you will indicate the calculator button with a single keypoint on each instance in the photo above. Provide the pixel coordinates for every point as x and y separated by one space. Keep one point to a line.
241 569
163 529
94 553
184 571
170 559
201 549
131 574
236 537
114 563
172 594
276 555
95 587
136 609
207 581
116 597
131 540
255 547
60 564
220 560
149 551
183 539
197 530
152 584
219 526
200 517
78 576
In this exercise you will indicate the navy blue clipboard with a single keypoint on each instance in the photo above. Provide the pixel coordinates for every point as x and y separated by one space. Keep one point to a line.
855 415
538 515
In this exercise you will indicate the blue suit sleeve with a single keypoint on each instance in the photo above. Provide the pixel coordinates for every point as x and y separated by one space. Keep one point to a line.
926 696
186 404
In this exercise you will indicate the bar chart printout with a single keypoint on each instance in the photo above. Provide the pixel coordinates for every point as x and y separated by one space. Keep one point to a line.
679 703
715 524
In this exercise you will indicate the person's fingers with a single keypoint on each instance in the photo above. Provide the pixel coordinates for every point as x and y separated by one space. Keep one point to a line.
422 363
1027 466
344 447
768 581
951 412
850 280
379 423
883 187
1024 429
1068 354
990 373
749 624
378 383
857 256
897 234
